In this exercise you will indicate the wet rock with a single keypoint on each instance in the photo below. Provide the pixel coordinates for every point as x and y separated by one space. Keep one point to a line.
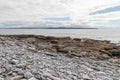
54 41
77 39
115 53
62 50
64 38
50 38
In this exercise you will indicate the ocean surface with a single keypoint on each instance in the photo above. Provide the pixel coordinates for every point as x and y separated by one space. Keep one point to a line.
100 34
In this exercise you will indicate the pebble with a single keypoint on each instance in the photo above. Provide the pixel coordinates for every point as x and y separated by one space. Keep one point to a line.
28 75
45 65
22 65
14 74
32 78
2 70
13 62
17 77
2 79
118 71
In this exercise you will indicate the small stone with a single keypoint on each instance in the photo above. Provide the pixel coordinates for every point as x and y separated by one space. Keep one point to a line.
28 75
118 70
23 79
85 77
10 73
13 62
2 70
14 74
8 67
22 65
96 69
20 72
32 78
17 77
102 73
2 78
63 50
105 56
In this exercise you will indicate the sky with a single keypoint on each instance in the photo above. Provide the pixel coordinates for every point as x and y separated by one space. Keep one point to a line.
91 13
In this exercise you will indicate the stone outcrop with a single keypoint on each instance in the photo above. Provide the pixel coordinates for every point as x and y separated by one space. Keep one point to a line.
34 57
72 47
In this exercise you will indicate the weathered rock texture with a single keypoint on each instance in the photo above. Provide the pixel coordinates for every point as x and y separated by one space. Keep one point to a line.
33 57
71 47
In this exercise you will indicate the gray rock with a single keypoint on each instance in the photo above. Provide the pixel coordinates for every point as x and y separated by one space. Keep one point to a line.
32 78
28 75
23 79
22 65
19 71
118 71
14 74
13 61
17 62
8 67
17 77
2 78
2 70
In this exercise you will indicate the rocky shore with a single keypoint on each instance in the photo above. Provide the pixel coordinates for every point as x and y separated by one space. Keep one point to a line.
35 57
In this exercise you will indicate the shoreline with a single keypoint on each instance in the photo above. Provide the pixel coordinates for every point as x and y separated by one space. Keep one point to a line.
72 46
94 34
35 57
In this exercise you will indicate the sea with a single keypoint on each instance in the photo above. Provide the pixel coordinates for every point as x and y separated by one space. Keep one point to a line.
111 34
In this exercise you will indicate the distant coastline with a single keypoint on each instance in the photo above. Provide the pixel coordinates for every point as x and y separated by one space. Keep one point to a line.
49 28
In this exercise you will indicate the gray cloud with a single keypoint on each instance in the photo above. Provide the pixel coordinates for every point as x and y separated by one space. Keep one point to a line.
36 10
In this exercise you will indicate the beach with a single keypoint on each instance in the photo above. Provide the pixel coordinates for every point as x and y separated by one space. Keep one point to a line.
59 40
111 34
37 57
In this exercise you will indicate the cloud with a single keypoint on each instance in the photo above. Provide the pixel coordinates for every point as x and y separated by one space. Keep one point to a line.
77 10
58 19
107 10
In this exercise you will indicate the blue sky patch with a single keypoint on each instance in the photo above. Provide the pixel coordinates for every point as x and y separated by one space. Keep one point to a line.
58 19
107 10
115 22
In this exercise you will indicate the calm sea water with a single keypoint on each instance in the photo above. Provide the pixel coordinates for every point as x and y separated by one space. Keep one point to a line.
101 34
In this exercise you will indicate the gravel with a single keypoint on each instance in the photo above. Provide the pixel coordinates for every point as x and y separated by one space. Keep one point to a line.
18 62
